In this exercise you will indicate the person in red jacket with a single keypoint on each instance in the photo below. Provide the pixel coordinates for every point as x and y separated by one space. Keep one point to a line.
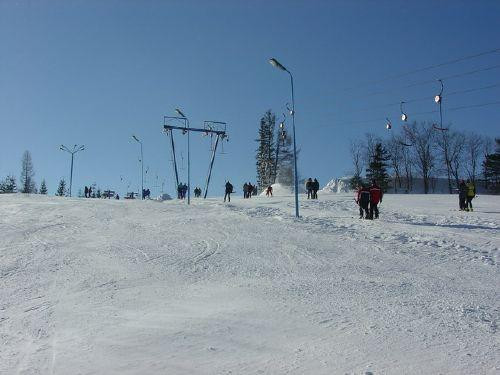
375 199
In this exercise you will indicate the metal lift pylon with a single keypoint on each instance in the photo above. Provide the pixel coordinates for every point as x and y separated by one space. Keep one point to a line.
210 127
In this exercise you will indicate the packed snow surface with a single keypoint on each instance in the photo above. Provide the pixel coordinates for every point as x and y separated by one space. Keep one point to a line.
90 286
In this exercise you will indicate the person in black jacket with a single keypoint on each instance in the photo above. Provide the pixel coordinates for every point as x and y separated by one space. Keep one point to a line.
363 200
315 188
229 190
462 195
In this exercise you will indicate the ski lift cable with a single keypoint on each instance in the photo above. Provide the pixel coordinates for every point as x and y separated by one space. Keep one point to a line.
429 67
421 99
417 113
429 81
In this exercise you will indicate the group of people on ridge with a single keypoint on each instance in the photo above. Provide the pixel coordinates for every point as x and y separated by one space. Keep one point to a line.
197 192
312 188
181 191
466 193
249 190
368 198
88 192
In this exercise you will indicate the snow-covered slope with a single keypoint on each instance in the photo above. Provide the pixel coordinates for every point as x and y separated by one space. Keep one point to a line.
92 286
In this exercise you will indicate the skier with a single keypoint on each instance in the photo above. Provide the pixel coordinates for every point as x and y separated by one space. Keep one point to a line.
375 198
363 200
471 193
86 192
245 190
315 188
462 195
229 190
309 188
269 191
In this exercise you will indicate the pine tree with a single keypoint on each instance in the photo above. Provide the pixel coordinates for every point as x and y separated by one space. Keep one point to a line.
491 169
8 185
43 188
61 190
355 181
265 152
285 162
27 174
377 168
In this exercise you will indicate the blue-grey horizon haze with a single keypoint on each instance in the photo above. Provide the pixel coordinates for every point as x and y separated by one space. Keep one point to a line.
97 72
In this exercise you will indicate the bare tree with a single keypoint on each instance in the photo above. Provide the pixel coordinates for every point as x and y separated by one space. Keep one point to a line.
27 174
422 137
473 151
396 150
456 154
443 142
357 151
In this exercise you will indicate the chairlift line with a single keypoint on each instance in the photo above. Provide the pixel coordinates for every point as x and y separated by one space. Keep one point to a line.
429 81
430 67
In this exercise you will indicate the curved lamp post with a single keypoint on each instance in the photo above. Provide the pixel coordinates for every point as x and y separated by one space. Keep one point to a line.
75 149
142 167
277 64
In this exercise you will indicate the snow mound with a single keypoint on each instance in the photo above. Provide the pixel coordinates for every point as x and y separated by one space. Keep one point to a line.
164 197
279 190
283 190
338 185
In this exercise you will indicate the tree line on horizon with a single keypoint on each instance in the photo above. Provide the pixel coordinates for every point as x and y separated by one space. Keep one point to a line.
422 150
27 184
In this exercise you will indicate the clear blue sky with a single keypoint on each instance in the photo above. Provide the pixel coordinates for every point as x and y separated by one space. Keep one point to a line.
96 72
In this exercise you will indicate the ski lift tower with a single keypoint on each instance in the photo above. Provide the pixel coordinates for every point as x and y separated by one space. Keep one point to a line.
212 128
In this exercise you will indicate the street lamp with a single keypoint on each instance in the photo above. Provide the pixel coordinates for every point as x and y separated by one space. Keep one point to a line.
142 167
277 64
181 114
75 149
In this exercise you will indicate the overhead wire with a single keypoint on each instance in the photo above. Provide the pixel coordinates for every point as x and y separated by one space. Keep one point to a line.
426 98
410 114
429 67
420 83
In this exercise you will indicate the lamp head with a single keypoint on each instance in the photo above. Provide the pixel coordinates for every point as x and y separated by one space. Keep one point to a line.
179 112
276 64
133 136
437 99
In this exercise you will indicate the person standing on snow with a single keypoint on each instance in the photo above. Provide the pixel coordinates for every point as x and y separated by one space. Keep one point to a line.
363 200
86 192
462 195
315 188
471 193
269 191
375 199
249 190
309 188
245 190
229 190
